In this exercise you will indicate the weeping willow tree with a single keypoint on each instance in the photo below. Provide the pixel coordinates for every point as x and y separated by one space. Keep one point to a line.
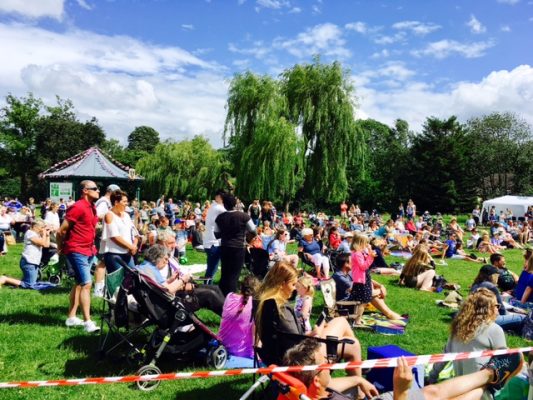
264 147
190 168
320 102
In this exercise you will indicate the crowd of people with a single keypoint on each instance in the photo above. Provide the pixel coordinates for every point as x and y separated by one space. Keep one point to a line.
108 230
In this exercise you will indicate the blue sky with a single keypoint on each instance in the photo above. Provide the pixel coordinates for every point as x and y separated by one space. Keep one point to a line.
167 63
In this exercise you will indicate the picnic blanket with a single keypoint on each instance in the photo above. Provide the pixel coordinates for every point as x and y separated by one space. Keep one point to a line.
403 254
379 324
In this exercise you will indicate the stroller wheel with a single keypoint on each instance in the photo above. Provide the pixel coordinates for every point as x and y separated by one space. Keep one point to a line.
217 357
147 386
55 279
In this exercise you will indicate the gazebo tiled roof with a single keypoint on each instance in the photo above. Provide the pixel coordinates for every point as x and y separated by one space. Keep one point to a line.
91 163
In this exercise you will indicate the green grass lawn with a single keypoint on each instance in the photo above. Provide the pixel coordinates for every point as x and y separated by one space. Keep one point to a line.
36 345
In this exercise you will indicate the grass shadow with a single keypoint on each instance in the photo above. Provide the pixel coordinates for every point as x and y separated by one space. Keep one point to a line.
26 318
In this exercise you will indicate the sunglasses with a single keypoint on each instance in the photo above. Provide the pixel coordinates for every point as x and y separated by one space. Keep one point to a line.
95 188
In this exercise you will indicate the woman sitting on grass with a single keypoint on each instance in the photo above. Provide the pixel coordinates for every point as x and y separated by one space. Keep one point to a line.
35 238
473 329
236 327
485 246
419 270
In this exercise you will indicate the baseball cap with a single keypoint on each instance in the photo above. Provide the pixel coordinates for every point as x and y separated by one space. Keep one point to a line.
489 269
112 188
348 234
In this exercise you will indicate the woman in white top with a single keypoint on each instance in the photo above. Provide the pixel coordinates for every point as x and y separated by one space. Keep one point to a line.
119 235
52 218
277 249
35 238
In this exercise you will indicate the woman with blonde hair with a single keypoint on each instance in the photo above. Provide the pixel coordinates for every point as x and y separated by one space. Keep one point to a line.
419 270
474 329
276 321
485 246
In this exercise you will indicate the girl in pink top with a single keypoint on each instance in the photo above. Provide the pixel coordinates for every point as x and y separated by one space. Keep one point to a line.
237 327
362 258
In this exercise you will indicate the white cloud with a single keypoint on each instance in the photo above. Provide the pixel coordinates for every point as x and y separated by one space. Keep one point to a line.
476 26
505 28
187 27
325 39
295 10
445 48
84 4
416 27
121 81
316 9
415 101
510 2
273 4
381 54
389 39
33 9
390 71
359 27
259 50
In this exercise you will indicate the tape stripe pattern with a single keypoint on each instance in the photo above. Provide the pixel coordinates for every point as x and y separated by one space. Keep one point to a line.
379 363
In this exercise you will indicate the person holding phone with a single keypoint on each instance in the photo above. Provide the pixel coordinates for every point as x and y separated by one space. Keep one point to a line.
35 238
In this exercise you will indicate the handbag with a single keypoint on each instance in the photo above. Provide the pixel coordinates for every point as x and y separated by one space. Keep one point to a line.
527 327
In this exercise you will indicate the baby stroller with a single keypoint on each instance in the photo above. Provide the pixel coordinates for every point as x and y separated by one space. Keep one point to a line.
179 332
51 266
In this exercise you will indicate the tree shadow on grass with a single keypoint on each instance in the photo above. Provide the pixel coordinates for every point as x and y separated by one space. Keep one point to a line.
44 317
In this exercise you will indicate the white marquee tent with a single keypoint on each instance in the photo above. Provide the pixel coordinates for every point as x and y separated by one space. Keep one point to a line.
517 204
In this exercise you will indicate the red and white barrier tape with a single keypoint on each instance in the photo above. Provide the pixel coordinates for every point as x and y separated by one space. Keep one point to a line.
377 363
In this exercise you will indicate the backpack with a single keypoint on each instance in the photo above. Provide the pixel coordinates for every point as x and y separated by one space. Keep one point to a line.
506 281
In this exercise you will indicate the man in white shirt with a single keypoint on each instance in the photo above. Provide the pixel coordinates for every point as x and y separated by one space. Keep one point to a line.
211 243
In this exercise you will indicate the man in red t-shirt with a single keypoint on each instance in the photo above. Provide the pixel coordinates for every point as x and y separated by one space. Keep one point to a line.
76 241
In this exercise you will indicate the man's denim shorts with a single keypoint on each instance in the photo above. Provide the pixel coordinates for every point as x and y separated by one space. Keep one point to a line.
81 265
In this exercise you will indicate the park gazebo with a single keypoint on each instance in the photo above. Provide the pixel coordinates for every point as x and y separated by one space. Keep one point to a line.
93 164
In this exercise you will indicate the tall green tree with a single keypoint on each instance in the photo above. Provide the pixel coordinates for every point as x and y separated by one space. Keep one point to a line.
19 120
190 168
501 154
320 103
384 181
61 135
143 138
264 147
440 166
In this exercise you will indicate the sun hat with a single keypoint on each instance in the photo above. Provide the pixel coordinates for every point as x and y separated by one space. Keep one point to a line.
307 232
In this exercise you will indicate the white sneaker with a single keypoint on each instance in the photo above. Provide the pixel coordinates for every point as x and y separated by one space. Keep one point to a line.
90 327
74 321
98 292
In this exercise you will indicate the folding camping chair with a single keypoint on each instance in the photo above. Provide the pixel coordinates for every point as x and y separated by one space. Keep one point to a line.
334 308
113 282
